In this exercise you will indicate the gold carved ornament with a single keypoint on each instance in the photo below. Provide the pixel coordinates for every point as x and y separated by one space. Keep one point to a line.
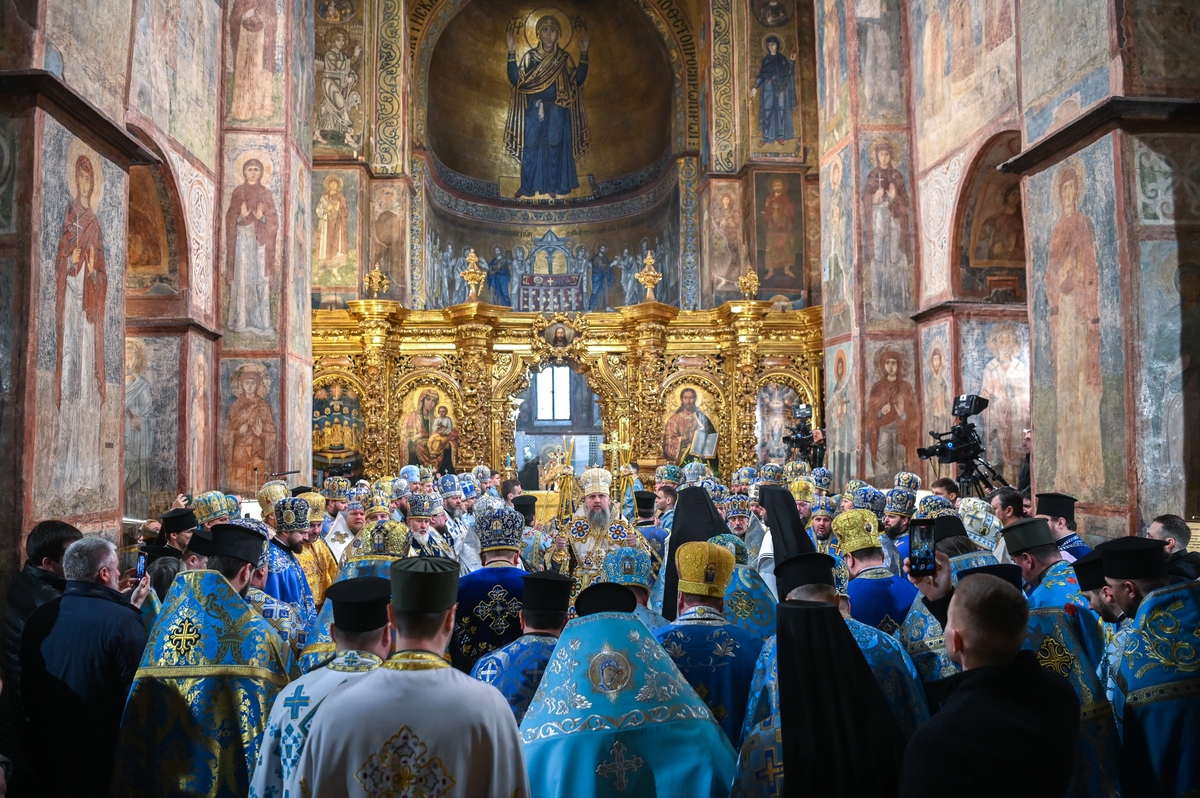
474 276
648 277
377 282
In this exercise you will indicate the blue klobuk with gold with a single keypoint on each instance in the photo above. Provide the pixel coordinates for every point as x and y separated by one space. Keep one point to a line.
319 649
1158 693
716 657
614 717
749 603
516 670
631 567
878 597
200 699
489 600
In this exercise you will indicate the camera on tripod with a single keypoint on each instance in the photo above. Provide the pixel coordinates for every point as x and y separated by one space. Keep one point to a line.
961 443
802 439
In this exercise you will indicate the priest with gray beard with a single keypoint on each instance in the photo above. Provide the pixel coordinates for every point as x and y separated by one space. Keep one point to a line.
452 523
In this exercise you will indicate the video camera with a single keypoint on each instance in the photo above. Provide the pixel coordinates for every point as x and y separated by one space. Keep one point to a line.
803 439
961 443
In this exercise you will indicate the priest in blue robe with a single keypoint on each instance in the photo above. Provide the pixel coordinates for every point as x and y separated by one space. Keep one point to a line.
654 533
577 734
516 670
631 567
336 491
286 580
1059 511
489 600
899 507
878 597
199 703
319 648
749 603
716 657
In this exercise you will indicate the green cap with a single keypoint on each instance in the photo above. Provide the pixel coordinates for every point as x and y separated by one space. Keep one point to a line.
1028 533
424 584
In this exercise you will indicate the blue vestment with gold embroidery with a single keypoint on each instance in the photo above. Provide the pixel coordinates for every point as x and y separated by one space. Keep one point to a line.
286 581
199 703
1055 637
717 659
749 603
319 648
285 620
287 727
488 614
516 669
1058 588
656 537
614 717
1158 693
879 598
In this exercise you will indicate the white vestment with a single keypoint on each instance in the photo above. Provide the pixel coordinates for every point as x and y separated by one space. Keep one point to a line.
339 537
414 726
292 713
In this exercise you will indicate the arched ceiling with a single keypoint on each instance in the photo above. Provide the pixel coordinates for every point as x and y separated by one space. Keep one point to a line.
627 94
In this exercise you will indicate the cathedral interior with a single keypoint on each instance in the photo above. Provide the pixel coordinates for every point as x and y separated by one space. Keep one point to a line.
283 237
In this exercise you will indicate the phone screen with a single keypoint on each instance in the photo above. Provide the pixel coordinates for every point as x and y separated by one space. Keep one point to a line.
921 561
141 566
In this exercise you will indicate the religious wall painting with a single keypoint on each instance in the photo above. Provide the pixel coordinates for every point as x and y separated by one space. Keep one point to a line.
253 189
964 54
304 84
881 62
773 421
1168 394
1164 50
339 70
887 232
388 238
201 425
837 244
299 291
833 87
842 404
991 258
774 96
335 234
153 243
299 409
256 33
892 430
151 424
1064 68
812 240
1168 181
1078 409
86 43
995 365
198 194
250 428
80 350
937 378
9 127
428 434
689 424
724 237
779 219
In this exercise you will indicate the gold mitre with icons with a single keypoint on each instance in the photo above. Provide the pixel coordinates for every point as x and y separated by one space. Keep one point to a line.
705 569
857 530
270 493
595 480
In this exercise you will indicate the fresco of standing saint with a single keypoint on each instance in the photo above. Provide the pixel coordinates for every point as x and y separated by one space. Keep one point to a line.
546 128
250 432
886 213
252 226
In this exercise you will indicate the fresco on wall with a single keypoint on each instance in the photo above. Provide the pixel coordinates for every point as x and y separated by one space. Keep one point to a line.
174 77
303 89
151 425
774 105
199 196
964 55
842 402
779 222
773 421
833 89
388 238
299 420
257 32
1064 68
300 293
253 189
80 349
689 432
428 432
1078 397
200 423
335 226
1169 387
937 379
1164 50
892 426
995 365
1168 188
991 258
153 266
837 245
881 60
8 174
939 198
337 427
726 256
339 72
812 240
87 45
250 428
887 233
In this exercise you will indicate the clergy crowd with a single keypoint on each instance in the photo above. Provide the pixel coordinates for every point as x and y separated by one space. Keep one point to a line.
425 635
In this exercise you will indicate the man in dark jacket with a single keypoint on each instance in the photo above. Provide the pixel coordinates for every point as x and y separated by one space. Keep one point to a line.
79 654
1175 532
1028 715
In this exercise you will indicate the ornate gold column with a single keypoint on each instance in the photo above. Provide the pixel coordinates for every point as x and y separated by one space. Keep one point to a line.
473 331
741 366
374 328
647 364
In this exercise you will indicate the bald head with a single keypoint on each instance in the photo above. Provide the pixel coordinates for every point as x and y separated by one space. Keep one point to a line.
986 623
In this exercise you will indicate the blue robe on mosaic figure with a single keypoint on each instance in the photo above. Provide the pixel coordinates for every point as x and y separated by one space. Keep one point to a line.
776 84
498 279
546 128
516 669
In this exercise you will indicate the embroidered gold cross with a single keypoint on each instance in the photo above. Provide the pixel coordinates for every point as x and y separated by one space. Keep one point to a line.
184 637
618 766
1054 656
741 604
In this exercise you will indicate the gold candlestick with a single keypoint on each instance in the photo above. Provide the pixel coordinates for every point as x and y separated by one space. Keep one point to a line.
474 276
377 282
648 277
